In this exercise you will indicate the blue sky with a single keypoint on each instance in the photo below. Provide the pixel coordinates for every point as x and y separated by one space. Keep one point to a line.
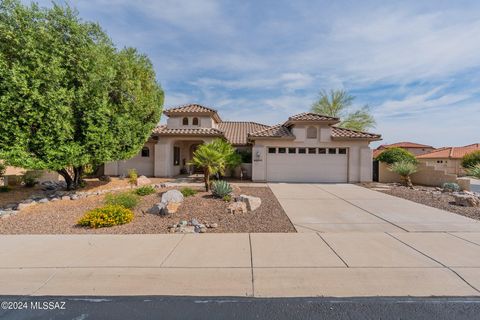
416 63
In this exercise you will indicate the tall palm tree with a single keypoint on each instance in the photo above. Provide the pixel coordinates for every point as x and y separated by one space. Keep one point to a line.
336 103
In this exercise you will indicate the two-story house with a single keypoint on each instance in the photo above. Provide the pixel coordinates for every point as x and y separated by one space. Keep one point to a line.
308 147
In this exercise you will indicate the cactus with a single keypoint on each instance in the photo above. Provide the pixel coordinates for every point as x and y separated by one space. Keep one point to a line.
221 188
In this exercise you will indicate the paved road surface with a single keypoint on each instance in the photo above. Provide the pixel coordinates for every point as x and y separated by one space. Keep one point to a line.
105 308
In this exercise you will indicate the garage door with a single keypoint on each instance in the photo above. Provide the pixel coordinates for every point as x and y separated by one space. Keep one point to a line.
307 164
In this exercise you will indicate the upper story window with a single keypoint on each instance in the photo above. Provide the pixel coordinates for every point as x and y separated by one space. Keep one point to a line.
185 121
145 152
195 121
311 133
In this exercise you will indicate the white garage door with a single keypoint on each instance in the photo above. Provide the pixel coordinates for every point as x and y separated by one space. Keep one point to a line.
307 164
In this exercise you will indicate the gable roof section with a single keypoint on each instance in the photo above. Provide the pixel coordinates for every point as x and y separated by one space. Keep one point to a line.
450 152
277 131
189 109
237 132
342 133
164 131
311 117
405 144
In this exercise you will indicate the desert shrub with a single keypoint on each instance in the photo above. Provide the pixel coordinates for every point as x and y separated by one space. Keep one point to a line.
108 216
187 192
125 199
227 198
144 191
404 169
471 159
474 171
30 178
5 189
451 186
221 188
395 154
132 176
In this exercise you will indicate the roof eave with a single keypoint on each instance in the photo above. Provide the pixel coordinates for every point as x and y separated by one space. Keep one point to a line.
290 122
358 138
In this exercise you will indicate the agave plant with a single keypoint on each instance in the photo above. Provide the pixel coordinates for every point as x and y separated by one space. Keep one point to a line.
404 169
221 188
474 171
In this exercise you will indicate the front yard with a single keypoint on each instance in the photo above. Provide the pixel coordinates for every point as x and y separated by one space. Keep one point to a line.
60 217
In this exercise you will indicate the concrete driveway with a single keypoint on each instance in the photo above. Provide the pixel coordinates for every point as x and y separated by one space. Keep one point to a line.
351 208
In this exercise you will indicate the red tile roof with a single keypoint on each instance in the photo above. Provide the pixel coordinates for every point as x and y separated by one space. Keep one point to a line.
405 144
192 109
277 131
237 131
163 130
342 133
451 152
311 116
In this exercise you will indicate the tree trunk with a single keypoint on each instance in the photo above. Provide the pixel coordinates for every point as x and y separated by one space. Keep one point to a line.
72 182
408 182
206 174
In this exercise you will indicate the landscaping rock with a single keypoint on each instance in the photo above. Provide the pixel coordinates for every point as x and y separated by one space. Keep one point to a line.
237 207
74 197
194 222
214 225
172 207
44 200
105 178
172 196
54 199
24 205
158 208
65 197
466 200
142 181
252 202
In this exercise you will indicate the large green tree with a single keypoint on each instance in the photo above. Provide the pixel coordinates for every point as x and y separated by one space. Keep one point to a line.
338 103
68 97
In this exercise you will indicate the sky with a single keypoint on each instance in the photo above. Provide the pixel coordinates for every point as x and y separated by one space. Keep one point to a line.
415 63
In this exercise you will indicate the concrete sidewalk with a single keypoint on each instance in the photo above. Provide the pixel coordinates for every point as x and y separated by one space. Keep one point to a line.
259 265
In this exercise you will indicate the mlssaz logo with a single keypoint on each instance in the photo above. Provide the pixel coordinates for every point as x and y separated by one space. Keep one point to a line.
47 305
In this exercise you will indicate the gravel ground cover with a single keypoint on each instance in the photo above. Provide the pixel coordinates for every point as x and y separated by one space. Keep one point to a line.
60 217
429 196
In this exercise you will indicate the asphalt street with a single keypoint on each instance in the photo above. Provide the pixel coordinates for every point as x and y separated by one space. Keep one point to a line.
160 307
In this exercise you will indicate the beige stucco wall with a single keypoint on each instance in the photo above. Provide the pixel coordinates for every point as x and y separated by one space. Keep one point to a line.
453 166
143 165
359 153
204 122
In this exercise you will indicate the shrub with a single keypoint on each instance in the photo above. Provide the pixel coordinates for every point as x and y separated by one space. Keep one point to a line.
187 192
144 191
30 178
125 199
404 169
132 176
474 171
221 188
4 189
227 198
395 154
470 160
451 186
108 216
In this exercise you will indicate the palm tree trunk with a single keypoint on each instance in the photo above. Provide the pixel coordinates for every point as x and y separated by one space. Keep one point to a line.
409 182
206 178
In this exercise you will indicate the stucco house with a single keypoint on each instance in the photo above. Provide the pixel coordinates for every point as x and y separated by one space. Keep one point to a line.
412 147
449 158
308 147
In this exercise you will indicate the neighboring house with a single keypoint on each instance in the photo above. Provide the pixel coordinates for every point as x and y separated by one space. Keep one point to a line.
449 158
308 147
412 147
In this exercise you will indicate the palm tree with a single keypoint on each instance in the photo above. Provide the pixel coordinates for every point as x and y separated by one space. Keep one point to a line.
336 103
213 157
405 169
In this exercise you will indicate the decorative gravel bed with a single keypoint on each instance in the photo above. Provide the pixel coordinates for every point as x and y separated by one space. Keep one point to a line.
429 196
60 217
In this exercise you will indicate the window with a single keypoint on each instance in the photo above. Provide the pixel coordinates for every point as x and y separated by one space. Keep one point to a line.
302 150
332 151
145 152
342 151
311 133
322 150
185 121
312 150
195 121
292 150
282 150
272 150
176 156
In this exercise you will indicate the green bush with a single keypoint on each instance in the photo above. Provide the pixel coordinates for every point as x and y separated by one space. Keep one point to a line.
125 199
227 198
470 160
30 178
451 186
132 176
187 192
221 188
474 171
144 191
404 169
108 216
4 189
395 154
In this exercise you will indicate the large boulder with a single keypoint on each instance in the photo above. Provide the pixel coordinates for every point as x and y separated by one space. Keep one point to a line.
466 200
252 202
158 208
172 196
143 181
